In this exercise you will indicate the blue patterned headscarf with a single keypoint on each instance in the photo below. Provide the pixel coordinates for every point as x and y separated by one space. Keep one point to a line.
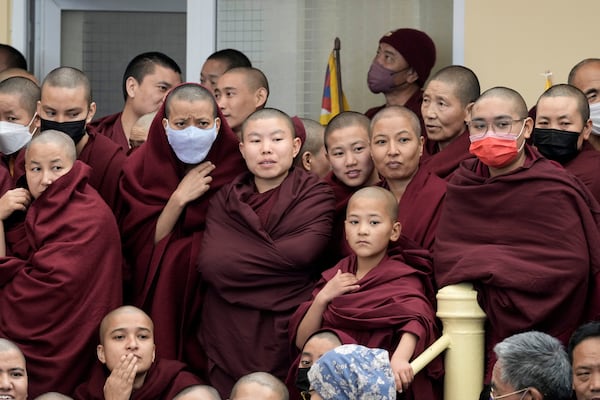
353 372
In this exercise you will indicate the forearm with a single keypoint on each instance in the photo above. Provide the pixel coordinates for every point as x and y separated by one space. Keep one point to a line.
2 240
168 218
406 347
311 322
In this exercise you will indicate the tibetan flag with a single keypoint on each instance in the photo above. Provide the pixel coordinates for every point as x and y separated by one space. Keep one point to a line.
330 105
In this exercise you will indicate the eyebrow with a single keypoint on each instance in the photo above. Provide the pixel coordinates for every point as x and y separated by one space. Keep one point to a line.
164 83
139 328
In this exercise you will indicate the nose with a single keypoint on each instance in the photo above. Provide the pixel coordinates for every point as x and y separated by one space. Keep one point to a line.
392 148
363 228
350 159
4 382
427 111
47 177
265 147
595 381
132 343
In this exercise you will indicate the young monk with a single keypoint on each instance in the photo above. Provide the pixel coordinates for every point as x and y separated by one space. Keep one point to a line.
198 392
190 153
395 313
146 81
278 220
347 146
130 368
18 102
396 147
447 99
73 244
259 386
13 372
312 156
66 105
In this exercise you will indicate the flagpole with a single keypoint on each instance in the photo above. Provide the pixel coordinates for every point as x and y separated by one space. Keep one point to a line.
336 53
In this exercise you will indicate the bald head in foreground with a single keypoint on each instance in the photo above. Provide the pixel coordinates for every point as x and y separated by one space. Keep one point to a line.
198 392
259 386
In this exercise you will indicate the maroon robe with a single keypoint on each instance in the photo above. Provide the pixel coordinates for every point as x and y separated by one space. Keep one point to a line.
52 302
164 380
106 159
391 300
6 181
413 104
443 163
165 280
257 260
528 240
420 207
111 127
586 166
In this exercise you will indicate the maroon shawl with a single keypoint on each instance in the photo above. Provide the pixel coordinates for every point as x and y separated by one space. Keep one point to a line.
586 166
391 300
528 240
52 302
443 163
165 280
111 127
420 208
257 273
164 380
413 104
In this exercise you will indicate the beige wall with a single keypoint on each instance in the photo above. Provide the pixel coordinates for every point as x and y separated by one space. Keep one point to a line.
512 42
5 22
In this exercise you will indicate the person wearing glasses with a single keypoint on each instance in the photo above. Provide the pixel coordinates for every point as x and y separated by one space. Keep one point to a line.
531 366
520 227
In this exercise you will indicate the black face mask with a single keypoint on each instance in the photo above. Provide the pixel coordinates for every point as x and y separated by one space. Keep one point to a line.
75 129
557 145
302 382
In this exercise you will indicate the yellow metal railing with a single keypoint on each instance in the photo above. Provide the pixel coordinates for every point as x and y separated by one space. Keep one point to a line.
463 339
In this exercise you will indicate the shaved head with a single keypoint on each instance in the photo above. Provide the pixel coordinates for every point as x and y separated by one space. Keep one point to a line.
263 379
314 136
511 95
106 321
268 113
386 197
53 396
582 63
12 72
7 345
55 137
344 120
462 80
28 92
326 335
69 77
198 392
563 90
397 111
190 92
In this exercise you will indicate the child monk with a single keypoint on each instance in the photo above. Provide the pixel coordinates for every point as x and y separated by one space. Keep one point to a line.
263 233
132 370
347 146
379 301
55 294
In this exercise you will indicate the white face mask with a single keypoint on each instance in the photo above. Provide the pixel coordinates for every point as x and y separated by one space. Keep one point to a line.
14 137
192 144
595 117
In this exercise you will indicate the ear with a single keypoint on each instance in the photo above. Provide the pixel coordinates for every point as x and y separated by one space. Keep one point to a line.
535 394
306 160
100 353
91 112
261 97
38 122
218 124
468 109
154 353
412 75
421 145
528 128
587 129
165 122
131 85
396 230
297 143
241 147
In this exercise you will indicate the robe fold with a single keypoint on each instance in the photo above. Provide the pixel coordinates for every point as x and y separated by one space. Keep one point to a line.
164 279
443 163
420 207
111 127
164 380
258 266
391 300
585 166
528 241
52 302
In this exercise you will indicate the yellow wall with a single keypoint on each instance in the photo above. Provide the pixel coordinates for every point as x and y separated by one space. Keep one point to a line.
5 36
512 42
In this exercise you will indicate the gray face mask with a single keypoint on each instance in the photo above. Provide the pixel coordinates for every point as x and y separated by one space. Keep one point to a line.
14 137
192 144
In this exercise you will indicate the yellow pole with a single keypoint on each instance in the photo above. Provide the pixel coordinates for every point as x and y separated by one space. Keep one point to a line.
463 321
5 25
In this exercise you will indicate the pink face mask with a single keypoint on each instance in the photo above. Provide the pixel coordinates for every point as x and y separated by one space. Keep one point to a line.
381 79
496 150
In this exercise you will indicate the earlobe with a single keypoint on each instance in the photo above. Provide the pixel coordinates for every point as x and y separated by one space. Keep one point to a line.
306 160
165 122
412 76
587 129
130 85
528 128
396 230
261 97
91 112
218 123
297 145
